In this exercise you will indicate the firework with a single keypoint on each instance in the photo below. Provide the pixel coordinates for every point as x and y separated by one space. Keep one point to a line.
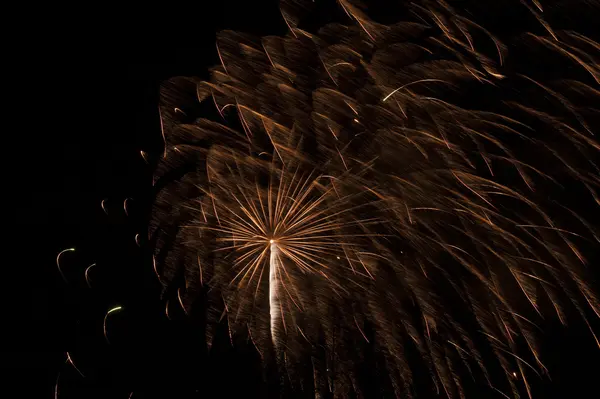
373 186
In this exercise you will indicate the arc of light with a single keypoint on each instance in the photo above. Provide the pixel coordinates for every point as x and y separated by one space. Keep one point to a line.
87 279
412 83
58 261
117 308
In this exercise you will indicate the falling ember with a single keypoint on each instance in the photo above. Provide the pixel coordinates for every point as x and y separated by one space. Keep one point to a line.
125 206
181 301
58 257
70 360
115 309
103 206
56 386
87 276
154 266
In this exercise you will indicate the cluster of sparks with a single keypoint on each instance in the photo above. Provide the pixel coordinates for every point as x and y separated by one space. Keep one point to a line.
296 223
347 187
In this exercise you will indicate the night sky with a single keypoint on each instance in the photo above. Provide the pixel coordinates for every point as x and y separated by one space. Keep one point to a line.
97 100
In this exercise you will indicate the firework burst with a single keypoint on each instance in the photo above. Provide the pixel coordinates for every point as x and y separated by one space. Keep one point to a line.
289 230
354 195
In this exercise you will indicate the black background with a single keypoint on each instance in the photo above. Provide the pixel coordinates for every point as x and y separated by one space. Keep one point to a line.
90 106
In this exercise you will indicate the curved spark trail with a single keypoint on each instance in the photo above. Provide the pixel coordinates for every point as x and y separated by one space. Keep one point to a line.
115 309
58 257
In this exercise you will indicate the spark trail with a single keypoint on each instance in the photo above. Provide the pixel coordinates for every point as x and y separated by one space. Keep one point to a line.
274 305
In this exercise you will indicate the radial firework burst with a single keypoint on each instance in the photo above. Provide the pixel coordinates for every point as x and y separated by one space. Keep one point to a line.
372 187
